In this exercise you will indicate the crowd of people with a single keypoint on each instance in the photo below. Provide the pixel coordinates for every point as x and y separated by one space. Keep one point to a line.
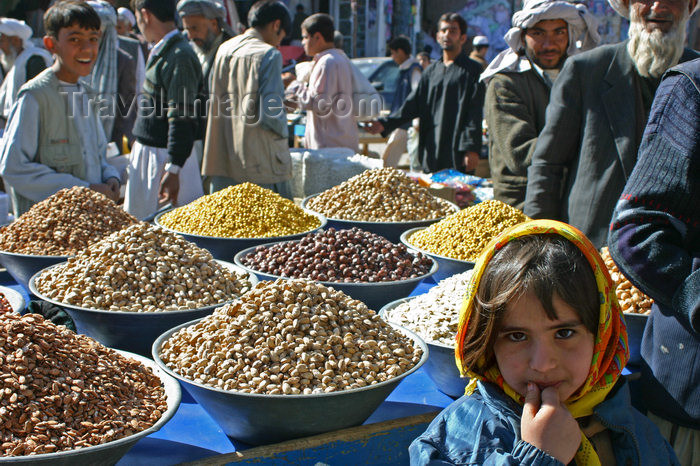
605 138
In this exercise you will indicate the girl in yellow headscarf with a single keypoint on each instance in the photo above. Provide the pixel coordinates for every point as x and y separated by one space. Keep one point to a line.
543 341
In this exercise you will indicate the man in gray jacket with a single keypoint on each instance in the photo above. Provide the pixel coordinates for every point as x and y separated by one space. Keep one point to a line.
598 108
519 79
246 138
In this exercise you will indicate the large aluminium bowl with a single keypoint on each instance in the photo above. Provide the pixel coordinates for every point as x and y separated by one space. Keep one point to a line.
13 297
390 230
128 330
225 248
441 366
374 294
448 266
22 267
635 330
259 419
110 452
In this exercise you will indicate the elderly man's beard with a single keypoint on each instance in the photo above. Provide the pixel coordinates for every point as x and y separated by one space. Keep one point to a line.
205 46
655 52
7 61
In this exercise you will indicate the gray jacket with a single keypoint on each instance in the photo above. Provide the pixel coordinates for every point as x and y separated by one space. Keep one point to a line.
588 147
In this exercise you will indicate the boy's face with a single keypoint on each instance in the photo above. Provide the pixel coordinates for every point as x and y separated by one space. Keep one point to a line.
76 50
529 347
312 43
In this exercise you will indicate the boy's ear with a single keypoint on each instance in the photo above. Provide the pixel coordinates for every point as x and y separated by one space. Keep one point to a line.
49 43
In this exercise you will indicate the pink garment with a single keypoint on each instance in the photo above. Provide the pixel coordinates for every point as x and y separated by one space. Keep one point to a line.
328 100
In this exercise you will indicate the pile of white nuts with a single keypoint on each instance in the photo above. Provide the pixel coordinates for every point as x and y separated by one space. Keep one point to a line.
290 337
434 315
380 195
142 269
631 299
61 391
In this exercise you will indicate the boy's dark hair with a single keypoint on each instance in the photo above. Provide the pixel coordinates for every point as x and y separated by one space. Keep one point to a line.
400 43
67 13
319 22
479 48
264 12
454 18
544 265
164 10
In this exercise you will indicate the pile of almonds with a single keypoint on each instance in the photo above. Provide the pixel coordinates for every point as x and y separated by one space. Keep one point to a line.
631 299
290 337
64 224
61 391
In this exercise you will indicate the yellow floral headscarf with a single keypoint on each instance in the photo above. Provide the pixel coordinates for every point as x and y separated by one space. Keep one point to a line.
610 351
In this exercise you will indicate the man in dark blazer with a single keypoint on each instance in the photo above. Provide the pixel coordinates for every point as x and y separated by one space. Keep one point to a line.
596 116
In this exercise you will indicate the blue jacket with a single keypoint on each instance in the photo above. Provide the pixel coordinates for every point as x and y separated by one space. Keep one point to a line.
484 429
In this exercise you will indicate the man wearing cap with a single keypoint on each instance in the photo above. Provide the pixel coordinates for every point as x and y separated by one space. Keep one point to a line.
481 48
20 61
246 136
598 108
518 82
203 22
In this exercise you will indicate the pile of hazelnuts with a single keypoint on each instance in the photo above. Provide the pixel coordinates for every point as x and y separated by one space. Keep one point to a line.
350 256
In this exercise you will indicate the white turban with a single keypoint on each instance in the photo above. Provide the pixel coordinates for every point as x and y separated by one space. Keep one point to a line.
15 28
583 32
623 7
125 13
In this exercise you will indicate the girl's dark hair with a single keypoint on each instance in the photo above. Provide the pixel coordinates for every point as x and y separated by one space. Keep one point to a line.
319 22
66 13
545 265
264 12
163 10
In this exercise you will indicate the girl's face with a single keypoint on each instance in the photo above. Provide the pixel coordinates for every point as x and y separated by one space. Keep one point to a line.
530 347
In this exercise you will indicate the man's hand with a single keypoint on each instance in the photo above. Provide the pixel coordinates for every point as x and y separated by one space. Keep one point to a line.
374 127
113 185
169 187
104 188
471 160
548 424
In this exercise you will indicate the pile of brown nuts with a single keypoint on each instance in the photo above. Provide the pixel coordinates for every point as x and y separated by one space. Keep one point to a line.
290 337
464 235
380 195
631 299
142 269
5 305
64 224
60 391
351 256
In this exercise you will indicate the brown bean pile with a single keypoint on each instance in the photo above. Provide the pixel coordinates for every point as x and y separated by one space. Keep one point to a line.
5 305
464 235
142 269
60 391
380 195
64 224
631 299
291 337
351 256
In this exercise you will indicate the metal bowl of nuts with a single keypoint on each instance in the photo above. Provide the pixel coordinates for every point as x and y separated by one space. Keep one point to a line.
448 266
110 452
226 248
375 288
389 230
262 418
22 267
13 298
130 330
440 366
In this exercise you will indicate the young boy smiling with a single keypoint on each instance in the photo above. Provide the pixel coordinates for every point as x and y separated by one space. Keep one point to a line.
54 139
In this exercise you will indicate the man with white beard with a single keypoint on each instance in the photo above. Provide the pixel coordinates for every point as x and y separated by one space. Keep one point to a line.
597 112
20 60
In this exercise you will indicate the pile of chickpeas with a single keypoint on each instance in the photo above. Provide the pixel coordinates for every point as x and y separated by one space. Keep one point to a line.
464 235
142 269
631 299
352 255
380 195
241 211
291 337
